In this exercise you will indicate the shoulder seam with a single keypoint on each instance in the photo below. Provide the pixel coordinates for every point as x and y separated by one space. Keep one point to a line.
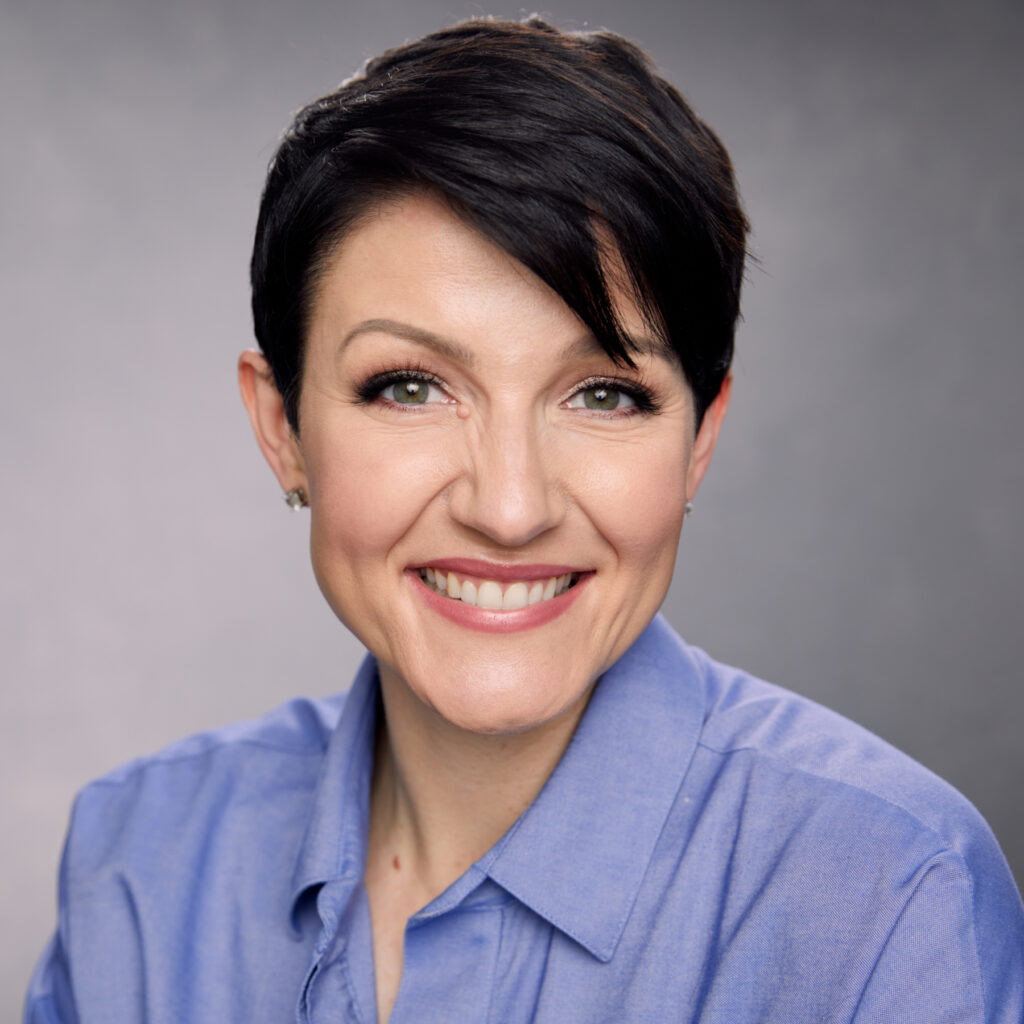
946 844
118 776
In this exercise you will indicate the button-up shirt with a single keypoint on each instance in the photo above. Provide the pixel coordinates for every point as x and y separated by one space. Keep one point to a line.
709 849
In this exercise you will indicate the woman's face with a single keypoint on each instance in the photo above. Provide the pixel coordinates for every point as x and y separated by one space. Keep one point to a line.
461 430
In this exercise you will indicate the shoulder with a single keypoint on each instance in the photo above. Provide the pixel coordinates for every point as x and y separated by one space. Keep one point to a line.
856 821
766 748
222 776
299 727
177 868
779 731
872 851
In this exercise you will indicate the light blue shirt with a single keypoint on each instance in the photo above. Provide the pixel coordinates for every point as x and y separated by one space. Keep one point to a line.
710 848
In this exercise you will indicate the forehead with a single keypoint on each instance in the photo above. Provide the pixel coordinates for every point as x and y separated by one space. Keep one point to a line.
413 269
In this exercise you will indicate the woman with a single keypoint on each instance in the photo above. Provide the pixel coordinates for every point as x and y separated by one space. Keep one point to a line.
495 284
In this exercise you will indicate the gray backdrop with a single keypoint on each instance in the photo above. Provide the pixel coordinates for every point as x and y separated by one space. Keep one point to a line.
856 539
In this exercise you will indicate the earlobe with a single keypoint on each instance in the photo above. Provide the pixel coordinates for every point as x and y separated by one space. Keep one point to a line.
707 437
273 432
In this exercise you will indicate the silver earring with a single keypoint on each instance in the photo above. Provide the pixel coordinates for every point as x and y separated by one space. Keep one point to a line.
296 499
688 509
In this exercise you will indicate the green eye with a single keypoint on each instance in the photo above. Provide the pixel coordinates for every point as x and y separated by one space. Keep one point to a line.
410 392
602 398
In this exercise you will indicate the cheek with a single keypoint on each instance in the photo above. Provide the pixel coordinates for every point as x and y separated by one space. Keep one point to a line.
367 490
637 500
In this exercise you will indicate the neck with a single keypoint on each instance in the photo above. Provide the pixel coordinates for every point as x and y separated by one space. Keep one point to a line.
441 796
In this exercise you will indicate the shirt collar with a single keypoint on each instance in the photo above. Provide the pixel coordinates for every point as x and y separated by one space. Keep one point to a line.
578 854
334 846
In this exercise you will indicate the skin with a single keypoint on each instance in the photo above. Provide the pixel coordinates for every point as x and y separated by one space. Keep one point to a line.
503 463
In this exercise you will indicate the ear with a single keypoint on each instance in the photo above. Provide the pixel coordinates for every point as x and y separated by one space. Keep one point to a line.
707 438
276 438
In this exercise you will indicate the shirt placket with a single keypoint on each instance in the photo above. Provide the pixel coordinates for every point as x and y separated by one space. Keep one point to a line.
449 967
338 989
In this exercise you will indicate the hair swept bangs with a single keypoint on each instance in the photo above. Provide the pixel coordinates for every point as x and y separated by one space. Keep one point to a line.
567 150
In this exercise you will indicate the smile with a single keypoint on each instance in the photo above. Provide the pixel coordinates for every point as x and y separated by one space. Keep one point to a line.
508 596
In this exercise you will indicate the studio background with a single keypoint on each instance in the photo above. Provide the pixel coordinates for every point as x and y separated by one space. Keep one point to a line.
856 539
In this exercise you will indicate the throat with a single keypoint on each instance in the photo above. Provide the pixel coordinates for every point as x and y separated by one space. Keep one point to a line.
441 797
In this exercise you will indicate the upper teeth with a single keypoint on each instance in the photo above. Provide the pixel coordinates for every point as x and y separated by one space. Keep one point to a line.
490 594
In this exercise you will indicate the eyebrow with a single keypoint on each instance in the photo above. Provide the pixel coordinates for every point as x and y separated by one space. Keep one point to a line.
445 346
587 345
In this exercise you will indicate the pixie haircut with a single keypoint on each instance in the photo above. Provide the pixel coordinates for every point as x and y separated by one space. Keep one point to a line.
567 150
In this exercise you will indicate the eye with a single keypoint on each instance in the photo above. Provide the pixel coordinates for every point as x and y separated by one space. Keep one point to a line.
405 388
413 392
602 397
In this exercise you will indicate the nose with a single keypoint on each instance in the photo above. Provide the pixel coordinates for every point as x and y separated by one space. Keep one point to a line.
508 489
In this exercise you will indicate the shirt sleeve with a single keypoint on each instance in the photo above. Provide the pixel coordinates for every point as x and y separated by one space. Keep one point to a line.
49 999
92 968
952 957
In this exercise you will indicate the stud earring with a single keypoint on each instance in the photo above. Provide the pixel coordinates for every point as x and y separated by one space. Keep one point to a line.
296 499
688 509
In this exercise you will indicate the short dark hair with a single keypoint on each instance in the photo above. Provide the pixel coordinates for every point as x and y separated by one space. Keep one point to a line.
564 148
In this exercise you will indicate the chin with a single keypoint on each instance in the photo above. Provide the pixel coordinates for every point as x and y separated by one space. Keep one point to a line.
501 706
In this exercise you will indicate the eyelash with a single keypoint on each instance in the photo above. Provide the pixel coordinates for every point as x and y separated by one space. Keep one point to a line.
371 389
644 401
